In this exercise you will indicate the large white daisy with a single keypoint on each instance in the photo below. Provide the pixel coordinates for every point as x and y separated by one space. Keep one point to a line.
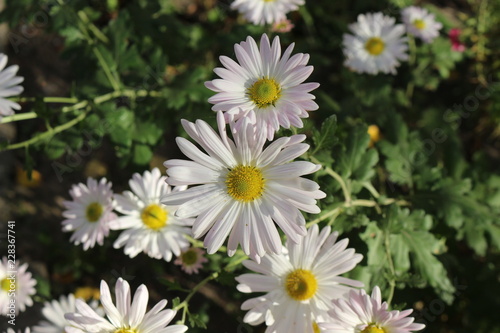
16 287
376 45
419 22
151 227
266 11
90 212
126 317
244 188
265 86
9 86
364 314
54 312
299 283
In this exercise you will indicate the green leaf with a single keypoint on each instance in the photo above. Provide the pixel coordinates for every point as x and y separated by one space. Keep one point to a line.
325 138
142 154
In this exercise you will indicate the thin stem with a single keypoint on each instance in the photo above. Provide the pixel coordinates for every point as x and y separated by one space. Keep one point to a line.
371 189
337 177
85 19
106 68
48 133
323 217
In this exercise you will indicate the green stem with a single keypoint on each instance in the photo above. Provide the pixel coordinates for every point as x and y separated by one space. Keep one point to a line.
107 70
337 177
85 19
49 133
333 212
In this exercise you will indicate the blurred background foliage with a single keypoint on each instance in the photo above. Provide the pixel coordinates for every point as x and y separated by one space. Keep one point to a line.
421 199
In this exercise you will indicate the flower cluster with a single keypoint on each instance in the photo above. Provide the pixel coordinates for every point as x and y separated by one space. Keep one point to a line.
377 43
262 12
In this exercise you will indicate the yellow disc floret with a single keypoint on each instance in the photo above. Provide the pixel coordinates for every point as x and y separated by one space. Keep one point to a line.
154 217
373 329
375 46
316 327
94 212
419 24
301 284
245 183
5 285
125 330
264 92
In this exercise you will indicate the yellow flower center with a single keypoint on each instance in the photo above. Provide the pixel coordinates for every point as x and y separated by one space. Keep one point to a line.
87 293
316 328
264 92
154 217
375 46
125 330
373 329
419 24
301 284
245 183
5 285
189 257
94 212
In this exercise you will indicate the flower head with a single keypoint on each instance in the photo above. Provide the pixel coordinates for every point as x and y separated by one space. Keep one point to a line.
90 212
9 86
265 86
261 12
376 45
282 26
456 44
365 314
151 227
191 260
54 312
299 283
420 23
26 330
126 316
243 188
15 279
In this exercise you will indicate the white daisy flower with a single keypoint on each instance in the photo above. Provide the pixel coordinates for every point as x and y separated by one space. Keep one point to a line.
262 12
126 316
151 227
265 86
191 260
90 212
17 284
377 44
244 188
365 314
419 22
54 312
9 86
299 283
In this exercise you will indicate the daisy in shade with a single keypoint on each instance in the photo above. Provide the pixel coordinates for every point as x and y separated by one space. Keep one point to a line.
364 314
265 86
376 45
9 86
191 260
15 280
244 188
299 283
151 227
54 312
26 330
261 12
419 22
125 316
90 212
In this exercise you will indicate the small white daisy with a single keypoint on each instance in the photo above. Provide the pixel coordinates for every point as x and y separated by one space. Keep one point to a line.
126 317
54 312
364 314
90 212
151 227
262 12
244 188
377 44
265 86
16 284
191 260
419 22
299 283
9 86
